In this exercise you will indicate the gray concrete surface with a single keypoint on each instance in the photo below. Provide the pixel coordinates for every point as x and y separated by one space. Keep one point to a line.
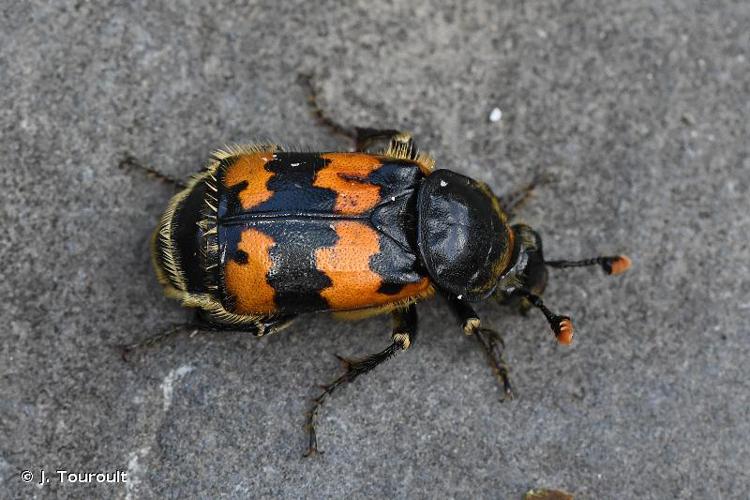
638 110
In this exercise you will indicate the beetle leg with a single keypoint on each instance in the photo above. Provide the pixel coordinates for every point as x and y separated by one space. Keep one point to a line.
493 345
512 202
364 138
312 98
492 342
259 327
397 140
404 332
264 326
129 161
273 325
126 350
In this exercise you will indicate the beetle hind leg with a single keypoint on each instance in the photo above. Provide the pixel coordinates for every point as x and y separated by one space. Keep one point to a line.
173 331
127 350
404 332
202 323
129 161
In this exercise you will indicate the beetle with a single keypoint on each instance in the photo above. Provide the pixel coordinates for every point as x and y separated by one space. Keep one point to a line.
262 235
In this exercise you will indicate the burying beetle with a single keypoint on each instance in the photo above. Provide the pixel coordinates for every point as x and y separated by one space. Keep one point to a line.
263 235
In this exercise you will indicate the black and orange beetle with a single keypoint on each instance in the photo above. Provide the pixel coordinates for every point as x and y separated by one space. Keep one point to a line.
263 235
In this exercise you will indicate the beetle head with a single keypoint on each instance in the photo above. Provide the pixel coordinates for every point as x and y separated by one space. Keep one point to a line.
526 276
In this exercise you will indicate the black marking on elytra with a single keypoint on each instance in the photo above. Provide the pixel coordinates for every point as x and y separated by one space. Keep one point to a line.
394 219
395 178
187 236
391 288
294 274
396 265
292 185
229 238
395 215
229 201
240 257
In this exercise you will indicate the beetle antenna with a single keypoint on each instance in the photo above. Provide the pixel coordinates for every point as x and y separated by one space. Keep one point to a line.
612 265
562 326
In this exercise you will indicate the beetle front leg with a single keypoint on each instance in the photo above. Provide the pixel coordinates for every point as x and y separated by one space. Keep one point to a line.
492 342
404 332
513 201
